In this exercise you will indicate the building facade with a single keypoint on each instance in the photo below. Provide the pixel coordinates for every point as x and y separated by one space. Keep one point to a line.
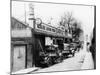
27 43
21 45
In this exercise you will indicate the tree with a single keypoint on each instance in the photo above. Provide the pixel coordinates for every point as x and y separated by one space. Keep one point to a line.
71 25
66 21
76 30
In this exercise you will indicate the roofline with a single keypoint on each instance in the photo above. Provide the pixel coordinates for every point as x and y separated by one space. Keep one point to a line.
26 24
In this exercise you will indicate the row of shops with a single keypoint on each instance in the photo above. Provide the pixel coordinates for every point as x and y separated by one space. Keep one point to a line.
41 46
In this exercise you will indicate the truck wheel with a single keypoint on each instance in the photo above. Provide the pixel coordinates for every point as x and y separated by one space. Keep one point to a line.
49 61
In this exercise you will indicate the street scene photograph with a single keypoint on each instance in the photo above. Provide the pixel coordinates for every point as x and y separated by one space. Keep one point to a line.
52 37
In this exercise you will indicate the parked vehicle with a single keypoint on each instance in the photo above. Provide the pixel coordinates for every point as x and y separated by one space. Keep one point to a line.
67 52
50 56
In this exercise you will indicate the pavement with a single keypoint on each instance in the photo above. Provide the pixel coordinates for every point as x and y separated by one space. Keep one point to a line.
88 62
81 61
25 71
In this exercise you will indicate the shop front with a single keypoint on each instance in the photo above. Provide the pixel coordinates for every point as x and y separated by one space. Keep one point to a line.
48 44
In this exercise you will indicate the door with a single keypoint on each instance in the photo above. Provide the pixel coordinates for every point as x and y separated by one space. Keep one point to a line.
19 58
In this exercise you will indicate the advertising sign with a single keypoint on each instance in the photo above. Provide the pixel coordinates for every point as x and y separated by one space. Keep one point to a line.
46 28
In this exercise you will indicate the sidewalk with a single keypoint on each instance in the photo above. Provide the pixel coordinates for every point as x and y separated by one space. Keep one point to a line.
74 63
24 71
88 62
87 59
81 60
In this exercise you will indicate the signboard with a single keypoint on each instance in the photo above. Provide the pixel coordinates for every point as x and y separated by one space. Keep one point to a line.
60 32
48 41
31 8
46 28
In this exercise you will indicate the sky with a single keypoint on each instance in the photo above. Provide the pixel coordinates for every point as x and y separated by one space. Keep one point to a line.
46 11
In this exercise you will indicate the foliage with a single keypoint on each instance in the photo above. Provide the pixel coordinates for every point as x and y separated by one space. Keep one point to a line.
71 25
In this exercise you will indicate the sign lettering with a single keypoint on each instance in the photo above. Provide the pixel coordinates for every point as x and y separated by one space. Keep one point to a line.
50 29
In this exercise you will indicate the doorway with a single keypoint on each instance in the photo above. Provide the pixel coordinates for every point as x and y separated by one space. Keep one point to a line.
19 54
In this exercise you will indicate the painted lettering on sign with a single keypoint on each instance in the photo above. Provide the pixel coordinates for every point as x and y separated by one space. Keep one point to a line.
46 28
53 30
59 31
